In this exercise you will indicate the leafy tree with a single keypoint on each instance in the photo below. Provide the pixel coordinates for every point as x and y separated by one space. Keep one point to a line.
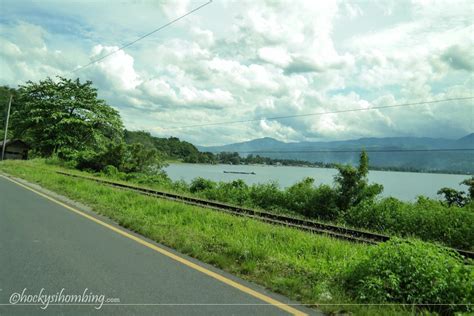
112 156
207 157
229 158
169 147
458 198
453 197
138 158
65 116
352 184
470 184
141 137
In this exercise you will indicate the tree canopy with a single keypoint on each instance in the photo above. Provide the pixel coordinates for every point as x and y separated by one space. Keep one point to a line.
64 116
352 184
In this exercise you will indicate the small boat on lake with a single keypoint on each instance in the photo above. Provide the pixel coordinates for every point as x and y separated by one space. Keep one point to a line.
239 172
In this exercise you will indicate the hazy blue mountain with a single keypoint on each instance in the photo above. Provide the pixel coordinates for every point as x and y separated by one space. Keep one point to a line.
458 161
467 140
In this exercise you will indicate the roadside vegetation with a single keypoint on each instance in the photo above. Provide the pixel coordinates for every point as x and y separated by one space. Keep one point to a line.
67 126
351 202
312 269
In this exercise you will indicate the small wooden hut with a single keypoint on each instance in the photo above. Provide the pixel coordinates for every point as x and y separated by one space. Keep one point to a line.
15 149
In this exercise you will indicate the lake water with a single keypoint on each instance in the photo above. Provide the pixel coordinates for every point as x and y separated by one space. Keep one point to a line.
403 185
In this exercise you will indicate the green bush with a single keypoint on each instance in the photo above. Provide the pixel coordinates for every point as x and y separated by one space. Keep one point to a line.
426 219
299 196
154 179
97 159
412 272
316 202
179 186
236 192
324 204
137 157
267 196
111 171
200 184
57 161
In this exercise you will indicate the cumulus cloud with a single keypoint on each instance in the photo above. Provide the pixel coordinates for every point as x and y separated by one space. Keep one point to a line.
259 59
175 8
275 55
204 38
117 70
24 54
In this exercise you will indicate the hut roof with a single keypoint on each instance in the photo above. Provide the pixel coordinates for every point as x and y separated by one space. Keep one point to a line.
14 142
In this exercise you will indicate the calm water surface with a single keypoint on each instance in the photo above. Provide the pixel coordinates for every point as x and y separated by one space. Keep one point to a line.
402 185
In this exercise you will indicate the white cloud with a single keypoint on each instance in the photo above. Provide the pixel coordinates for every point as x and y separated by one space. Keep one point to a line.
259 59
204 38
117 69
175 8
274 54
218 97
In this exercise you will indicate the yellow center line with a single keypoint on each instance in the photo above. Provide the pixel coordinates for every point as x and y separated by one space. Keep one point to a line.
171 255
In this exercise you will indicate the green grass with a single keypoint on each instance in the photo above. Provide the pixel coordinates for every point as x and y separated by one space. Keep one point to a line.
305 267
173 160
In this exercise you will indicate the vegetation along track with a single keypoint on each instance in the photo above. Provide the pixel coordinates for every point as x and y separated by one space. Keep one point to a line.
307 225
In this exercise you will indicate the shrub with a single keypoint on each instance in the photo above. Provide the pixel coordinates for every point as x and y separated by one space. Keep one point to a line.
267 196
96 160
201 184
236 191
426 219
110 171
317 202
55 160
155 179
299 196
179 186
324 203
412 272
380 216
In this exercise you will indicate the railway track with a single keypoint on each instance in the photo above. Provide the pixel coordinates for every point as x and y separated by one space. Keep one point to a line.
302 224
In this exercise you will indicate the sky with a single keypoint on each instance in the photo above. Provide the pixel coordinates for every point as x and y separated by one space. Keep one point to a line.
246 60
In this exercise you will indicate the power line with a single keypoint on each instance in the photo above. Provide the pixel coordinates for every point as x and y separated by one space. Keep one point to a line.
352 151
142 37
275 118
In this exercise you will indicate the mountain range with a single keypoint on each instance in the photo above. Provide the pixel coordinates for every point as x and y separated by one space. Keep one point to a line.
421 153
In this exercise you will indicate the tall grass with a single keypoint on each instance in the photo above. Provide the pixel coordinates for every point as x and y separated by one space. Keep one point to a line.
426 219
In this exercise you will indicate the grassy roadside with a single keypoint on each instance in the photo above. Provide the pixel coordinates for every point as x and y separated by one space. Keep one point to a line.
425 219
304 267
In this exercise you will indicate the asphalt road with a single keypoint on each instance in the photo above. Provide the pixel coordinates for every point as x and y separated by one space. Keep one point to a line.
46 248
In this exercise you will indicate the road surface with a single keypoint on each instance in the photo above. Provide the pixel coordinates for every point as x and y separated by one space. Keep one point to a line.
61 253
